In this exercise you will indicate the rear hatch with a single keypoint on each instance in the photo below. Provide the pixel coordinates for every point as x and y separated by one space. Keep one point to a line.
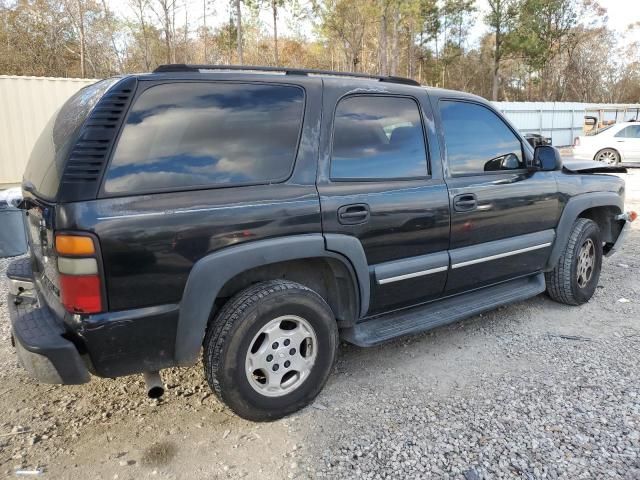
45 182
40 218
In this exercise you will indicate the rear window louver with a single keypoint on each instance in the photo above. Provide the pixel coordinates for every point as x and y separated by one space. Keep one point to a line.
90 153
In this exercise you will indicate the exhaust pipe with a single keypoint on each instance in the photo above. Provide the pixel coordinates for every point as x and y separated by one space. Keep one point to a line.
155 387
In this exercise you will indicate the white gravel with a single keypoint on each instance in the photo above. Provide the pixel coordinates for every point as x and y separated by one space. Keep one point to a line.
534 390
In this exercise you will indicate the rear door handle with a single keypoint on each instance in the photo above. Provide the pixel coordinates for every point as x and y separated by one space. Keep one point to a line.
353 214
465 202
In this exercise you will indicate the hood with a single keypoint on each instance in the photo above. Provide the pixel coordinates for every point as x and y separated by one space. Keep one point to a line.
590 166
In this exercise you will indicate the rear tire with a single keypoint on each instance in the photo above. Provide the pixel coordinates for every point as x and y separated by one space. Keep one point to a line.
575 277
270 350
608 156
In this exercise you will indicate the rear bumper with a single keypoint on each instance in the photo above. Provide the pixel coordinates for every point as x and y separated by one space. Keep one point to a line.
583 153
111 344
42 350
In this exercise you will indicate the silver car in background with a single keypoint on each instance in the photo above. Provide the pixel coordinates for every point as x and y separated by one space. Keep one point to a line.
619 143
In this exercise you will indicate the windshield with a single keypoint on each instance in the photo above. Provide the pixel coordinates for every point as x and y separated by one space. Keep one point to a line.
49 153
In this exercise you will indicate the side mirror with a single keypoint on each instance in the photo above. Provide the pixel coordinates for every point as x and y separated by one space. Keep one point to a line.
547 158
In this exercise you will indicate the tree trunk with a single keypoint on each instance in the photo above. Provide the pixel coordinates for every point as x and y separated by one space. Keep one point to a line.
145 41
394 42
82 43
109 19
384 66
410 51
173 31
186 35
204 31
166 20
239 31
495 85
274 6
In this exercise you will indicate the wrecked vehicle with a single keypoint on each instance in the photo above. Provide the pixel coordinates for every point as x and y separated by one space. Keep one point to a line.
256 216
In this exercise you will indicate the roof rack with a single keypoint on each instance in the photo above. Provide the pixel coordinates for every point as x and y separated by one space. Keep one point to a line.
181 67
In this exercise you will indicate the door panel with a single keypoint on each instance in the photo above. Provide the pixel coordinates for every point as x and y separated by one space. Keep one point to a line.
510 209
380 189
407 220
502 214
504 259
628 143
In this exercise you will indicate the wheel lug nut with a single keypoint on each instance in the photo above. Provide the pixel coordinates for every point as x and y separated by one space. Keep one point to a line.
269 358
286 364
292 351
276 367
287 342
275 345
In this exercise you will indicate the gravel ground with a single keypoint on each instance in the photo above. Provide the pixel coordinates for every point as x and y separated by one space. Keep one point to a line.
534 390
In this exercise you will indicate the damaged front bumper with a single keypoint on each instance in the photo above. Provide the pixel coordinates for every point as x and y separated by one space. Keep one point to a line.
627 218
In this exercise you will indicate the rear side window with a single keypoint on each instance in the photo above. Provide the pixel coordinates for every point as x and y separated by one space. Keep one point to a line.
632 131
478 140
184 135
377 137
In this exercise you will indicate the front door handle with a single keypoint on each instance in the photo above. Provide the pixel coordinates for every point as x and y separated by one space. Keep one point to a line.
353 214
465 202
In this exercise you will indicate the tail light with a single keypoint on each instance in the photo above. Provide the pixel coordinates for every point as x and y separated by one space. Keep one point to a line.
80 280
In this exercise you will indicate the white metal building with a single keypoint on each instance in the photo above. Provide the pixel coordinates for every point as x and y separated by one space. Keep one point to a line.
562 121
26 105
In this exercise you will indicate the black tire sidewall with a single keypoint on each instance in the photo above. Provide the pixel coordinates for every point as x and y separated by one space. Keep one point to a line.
235 388
583 295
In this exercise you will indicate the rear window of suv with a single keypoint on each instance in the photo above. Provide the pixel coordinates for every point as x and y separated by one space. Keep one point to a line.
190 135
49 153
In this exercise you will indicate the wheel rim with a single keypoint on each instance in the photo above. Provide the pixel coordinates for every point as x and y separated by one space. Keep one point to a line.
607 156
281 356
586 261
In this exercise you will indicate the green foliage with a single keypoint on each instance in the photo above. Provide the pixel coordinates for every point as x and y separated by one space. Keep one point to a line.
533 49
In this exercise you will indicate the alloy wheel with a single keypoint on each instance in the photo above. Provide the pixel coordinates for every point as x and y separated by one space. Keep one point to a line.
281 356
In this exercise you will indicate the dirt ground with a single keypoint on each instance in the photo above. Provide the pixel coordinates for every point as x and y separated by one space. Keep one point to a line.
532 390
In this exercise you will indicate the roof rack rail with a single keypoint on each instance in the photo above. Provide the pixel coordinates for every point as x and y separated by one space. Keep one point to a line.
181 67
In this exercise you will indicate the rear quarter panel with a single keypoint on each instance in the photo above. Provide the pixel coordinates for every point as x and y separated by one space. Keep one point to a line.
150 242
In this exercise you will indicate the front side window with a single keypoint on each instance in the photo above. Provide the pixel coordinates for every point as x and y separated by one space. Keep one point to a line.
377 137
632 131
477 140
207 134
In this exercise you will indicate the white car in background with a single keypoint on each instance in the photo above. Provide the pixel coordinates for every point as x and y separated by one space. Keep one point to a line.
619 143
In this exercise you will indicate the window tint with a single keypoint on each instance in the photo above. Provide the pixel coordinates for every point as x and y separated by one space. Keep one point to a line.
204 134
632 131
477 140
378 138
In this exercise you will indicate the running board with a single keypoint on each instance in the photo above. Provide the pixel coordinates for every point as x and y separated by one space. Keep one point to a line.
442 312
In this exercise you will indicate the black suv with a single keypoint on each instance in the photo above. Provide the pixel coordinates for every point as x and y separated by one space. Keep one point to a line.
261 215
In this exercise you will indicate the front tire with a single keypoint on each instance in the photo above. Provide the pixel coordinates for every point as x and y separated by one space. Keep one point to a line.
270 350
575 277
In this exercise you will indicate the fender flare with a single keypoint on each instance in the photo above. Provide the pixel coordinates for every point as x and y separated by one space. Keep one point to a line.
211 273
572 210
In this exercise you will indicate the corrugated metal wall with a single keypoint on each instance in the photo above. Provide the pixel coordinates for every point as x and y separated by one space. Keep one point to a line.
561 121
26 105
